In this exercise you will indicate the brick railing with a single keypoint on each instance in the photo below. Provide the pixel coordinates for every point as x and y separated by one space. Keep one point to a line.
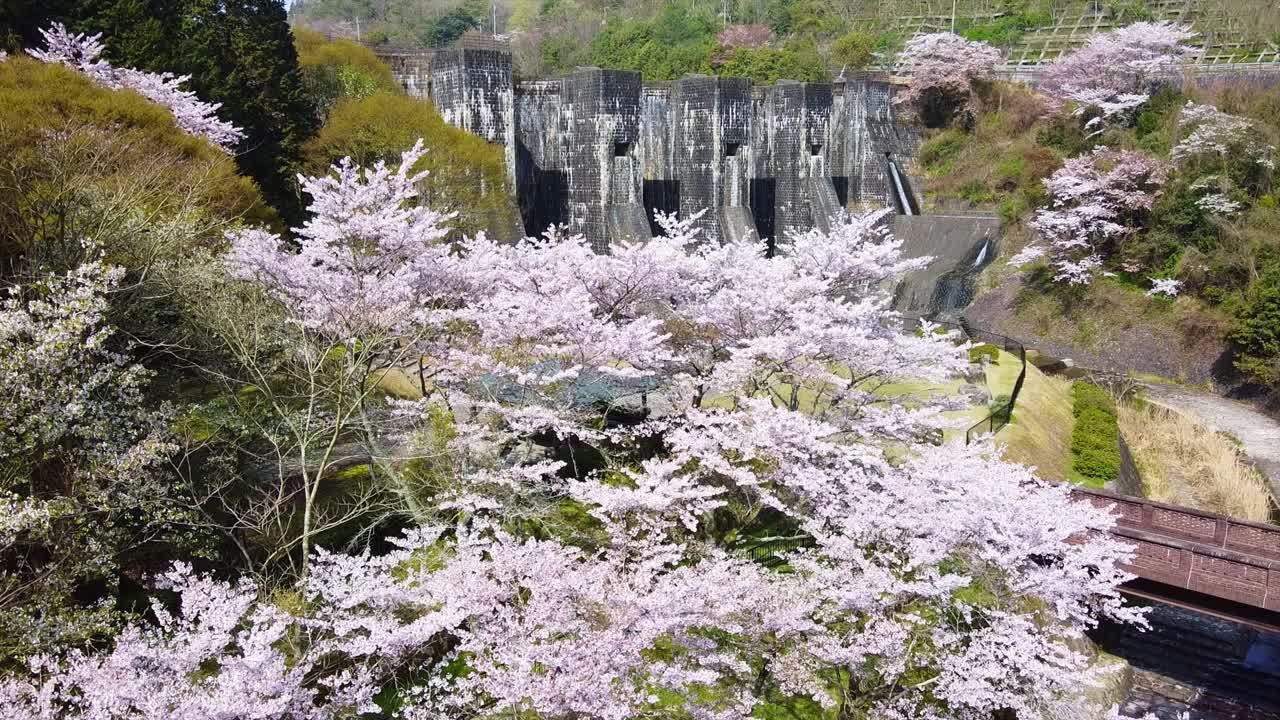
1194 550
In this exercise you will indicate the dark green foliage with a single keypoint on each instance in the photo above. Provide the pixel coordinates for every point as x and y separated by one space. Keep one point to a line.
855 50
937 153
1157 120
1063 133
1257 333
1095 439
769 65
238 52
676 42
1006 30
20 20
451 26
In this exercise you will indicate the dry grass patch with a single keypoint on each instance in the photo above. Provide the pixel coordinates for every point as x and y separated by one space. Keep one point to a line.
1184 463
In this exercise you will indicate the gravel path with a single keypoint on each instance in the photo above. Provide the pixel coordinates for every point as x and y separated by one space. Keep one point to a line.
1259 434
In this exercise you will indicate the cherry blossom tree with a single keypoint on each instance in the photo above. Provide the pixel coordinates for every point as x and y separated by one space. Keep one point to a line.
1112 73
943 68
773 531
80 451
357 294
1096 201
83 53
748 36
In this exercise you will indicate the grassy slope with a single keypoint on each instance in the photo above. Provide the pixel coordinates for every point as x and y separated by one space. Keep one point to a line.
1040 435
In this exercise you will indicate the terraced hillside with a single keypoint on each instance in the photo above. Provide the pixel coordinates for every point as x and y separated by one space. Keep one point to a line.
1232 31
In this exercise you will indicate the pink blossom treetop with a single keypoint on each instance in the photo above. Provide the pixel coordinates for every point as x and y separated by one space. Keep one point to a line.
367 258
1096 200
778 533
943 67
1113 70
83 53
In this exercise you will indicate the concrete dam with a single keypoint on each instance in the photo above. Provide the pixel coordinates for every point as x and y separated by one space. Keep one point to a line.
600 151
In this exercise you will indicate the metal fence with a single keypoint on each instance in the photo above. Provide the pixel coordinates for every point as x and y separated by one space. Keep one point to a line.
1002 415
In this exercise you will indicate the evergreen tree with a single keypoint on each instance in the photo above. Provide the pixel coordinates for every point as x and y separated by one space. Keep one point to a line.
238 53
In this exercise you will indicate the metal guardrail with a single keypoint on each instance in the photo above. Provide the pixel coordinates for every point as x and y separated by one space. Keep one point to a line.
1002 415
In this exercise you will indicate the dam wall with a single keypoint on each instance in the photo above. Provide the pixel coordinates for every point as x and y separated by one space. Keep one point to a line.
600 151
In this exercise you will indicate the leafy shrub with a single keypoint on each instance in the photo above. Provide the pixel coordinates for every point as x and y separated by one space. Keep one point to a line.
977 192
1257 333
1095 439
1009 171
468 175
855 50
1000 407
987 350
336 69
769 65
676 42
71 149
1006 30
941 149
1063 133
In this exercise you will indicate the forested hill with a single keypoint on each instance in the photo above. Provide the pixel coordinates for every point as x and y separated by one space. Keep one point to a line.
239 53
771 39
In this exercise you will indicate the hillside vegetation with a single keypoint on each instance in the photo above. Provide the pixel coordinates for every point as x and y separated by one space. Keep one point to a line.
770 39
1227 264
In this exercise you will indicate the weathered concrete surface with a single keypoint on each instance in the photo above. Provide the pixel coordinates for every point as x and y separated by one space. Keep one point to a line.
1259 434
1191 663
960 245
581 151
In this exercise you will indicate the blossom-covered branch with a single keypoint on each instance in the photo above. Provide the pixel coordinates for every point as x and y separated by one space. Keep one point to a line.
83 53
1112 72
568 566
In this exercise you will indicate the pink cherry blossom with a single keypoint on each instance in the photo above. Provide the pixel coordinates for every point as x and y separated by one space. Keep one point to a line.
1112 72
775 526
82 53
944 66
1095 200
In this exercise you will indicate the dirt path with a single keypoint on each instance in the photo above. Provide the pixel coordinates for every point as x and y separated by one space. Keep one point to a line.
1259 434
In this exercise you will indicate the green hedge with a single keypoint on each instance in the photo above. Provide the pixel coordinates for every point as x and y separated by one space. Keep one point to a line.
1095 439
